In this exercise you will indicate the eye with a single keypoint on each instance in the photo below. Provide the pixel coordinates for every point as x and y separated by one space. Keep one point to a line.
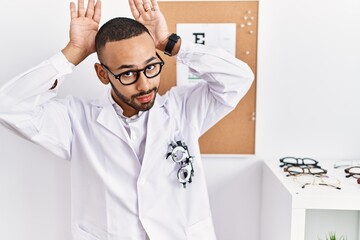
150 67
128 74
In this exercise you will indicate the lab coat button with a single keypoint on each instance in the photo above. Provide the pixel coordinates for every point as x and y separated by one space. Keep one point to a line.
142 181
134 137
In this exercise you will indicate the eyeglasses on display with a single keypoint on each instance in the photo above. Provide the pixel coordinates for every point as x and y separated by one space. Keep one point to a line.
288 161
346 163
353 172
307 172
312 170
317 180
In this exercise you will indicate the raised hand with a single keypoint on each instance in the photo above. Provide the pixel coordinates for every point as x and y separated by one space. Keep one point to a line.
83 28
149 14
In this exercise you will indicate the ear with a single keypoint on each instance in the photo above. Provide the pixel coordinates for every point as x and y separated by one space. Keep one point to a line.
101 73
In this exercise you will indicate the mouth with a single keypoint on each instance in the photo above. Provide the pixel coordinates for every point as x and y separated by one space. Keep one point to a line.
146 98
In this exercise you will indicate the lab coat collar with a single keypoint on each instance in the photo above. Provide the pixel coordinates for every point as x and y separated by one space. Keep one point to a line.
101 102
108 118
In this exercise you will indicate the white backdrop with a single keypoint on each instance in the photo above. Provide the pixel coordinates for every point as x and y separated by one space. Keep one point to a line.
308 79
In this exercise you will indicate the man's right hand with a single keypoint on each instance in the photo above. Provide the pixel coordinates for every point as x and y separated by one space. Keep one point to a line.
83 28
148 13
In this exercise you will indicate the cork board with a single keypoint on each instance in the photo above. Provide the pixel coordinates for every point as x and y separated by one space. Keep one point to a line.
235 134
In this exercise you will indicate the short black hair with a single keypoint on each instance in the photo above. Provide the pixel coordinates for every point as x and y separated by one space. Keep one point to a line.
117 29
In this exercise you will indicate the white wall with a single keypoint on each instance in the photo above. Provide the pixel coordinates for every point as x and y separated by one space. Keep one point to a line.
35 185
308 101
234 184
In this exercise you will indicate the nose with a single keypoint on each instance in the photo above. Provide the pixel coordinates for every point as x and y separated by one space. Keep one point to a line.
143 83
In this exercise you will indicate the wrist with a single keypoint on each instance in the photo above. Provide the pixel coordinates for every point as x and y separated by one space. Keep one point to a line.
74 54
173 45
170 45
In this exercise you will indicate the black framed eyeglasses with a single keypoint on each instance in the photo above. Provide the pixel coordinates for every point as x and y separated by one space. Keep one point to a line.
312 170
293 161
353 172
131 76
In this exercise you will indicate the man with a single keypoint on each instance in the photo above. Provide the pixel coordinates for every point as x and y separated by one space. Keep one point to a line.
136 168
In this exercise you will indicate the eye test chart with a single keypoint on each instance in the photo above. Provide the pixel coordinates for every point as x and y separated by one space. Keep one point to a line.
222 35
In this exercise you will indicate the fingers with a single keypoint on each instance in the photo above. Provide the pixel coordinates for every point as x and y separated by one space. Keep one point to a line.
133 9
81 8
73 12
140 7
155 5
97 13
92 11
147 6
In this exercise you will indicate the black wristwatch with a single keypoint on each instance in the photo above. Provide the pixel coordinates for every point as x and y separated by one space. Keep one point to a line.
173 39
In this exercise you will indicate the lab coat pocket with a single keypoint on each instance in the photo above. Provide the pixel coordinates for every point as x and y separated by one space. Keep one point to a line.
202 230
83 233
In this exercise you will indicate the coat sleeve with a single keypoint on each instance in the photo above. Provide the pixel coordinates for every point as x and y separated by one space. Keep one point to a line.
227 80
29 109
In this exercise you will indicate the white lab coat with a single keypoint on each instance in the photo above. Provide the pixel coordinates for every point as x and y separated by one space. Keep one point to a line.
114 197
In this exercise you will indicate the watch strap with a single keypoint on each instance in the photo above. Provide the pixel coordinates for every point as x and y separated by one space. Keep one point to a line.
173 39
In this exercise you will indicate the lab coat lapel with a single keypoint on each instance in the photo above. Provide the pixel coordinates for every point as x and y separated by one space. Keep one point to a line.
110 120
156 133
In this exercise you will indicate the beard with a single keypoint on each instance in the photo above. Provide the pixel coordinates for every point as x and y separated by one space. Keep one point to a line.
132 100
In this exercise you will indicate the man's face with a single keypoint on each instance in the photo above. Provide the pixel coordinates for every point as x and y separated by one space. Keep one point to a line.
127 55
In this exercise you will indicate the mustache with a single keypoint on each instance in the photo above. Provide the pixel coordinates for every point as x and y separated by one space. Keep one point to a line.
144 93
